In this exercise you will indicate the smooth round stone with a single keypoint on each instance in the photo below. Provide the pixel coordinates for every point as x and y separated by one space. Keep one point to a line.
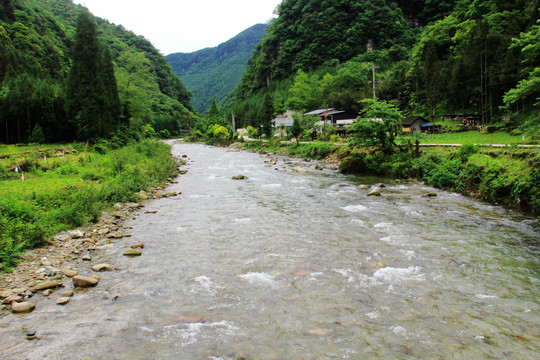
22 307
132 252
84 281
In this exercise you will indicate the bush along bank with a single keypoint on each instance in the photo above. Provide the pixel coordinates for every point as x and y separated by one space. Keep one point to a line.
507 176
69 187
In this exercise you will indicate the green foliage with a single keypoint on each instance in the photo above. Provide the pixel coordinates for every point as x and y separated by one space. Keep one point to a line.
377 127
51 201
296 129
92 99
267 115
306 92
37 136
499 176
465 63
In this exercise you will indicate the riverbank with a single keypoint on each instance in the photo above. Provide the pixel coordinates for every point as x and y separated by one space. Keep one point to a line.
48 189
506 176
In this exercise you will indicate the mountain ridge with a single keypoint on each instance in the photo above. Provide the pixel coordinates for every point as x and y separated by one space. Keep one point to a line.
215 71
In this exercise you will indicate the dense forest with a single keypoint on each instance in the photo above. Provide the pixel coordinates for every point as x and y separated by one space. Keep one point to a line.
42 71
429 57
214 72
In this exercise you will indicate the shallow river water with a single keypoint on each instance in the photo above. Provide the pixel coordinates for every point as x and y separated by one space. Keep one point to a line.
301 265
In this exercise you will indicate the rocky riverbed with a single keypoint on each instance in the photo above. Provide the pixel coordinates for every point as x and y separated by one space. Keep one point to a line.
72 259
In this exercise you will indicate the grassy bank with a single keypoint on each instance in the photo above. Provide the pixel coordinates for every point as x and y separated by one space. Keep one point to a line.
68 186
504 176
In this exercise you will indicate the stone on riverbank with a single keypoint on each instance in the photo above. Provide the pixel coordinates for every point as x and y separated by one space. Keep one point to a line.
47 285
70 272
132 252
76 234
239 177
374 193
84 281
63 300
22 307
102 267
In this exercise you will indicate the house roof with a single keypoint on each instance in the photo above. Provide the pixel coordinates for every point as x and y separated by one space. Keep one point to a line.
319 111
408 121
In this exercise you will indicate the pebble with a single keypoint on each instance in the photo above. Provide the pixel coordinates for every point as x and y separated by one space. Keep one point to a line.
87 258
132 252
191 319
239 177
46 292
5 293
102 267
151 211
30 334
63 300
63 237
67 294
374 193
70 272
22 307
138 246
76 234
45 262
12 298
84 281
47 285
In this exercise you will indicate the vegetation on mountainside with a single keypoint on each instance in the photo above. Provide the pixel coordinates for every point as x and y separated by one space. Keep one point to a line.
36 54
215 72
477 57
67 186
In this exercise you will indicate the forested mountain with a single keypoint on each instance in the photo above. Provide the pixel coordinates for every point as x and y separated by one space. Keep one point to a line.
37 41
431 57
215 72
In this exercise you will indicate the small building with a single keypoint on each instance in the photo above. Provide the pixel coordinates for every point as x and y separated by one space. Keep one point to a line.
285 119
340 120
417 123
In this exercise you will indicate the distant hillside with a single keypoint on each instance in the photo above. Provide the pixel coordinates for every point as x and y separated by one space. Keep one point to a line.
215 72
36 46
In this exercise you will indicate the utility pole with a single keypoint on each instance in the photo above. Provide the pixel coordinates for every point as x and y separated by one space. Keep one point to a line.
374 82
233 122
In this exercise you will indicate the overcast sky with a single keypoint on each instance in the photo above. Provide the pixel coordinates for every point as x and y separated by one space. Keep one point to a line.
183 25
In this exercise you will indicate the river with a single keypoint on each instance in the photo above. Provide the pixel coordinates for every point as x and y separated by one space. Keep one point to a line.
301 265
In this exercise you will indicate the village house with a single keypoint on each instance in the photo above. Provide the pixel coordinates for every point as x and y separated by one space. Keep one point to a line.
339 119
418 124
285 119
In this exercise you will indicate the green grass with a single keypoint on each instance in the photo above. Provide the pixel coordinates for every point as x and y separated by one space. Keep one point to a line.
70 190
470 138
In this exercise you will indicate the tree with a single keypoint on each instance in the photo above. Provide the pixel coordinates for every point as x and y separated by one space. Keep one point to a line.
305 93
92 96
112 106
214 117
266 115
378 126
296 129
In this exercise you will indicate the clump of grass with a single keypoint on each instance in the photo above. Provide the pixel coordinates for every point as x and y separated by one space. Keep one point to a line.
71 189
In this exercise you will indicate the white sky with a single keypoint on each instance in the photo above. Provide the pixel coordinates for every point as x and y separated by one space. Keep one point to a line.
183 25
